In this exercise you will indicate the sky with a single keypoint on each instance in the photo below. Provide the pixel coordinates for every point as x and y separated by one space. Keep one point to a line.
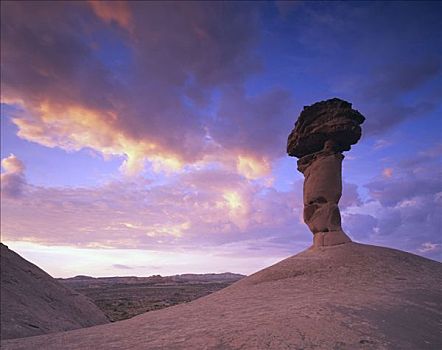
142 138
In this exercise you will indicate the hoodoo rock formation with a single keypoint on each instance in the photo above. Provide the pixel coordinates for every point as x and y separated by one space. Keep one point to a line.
322 132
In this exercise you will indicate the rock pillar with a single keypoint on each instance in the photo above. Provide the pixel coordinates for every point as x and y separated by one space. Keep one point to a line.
322 132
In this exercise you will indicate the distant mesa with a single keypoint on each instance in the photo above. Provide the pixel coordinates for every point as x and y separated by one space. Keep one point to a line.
34 303
322 132
82 277
185 278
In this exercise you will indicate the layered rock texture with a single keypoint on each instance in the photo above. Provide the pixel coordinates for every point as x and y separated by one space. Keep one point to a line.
33 303
322 132
347 297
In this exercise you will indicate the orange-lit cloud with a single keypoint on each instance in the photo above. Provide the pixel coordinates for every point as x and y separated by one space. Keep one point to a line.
387 172
252 167
12 179
238 207
74 127
113 11
147 99
13 165
199 208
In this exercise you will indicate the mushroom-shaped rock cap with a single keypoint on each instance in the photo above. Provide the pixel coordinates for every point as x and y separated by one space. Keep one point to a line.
332 120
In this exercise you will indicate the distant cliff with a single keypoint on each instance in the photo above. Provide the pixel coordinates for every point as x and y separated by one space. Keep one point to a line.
87 281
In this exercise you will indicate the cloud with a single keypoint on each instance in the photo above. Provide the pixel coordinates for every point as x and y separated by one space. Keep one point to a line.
177 94
13 181
395 93
385 115
122 267
429 247
143 95
183 98
387 172
381 143
393 80
359 226
73 128
388 65
13 165
409 225
212 208
395 191
350 196
201 208
254 124
423 159
113 11
403 211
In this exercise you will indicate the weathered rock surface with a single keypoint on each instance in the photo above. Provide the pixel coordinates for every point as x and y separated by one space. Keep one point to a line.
321 133
349 296
33 303
333 119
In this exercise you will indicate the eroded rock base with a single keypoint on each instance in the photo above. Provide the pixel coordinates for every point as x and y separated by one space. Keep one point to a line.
324 239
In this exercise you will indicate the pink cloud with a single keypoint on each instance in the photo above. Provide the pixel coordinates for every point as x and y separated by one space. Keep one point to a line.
154 108
13 181
113 11
198 208
387 172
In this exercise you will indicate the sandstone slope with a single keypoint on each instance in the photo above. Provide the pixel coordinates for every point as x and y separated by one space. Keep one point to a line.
33 303
348 296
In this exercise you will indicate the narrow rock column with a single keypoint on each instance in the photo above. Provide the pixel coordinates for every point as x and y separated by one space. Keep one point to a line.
322 132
